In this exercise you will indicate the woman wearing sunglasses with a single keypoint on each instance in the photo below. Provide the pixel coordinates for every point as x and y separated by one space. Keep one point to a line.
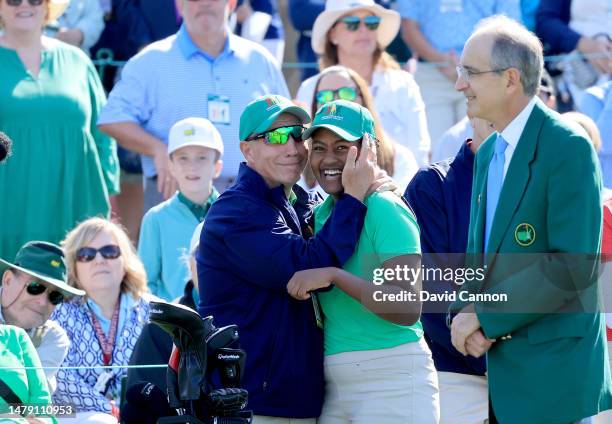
50 98
341 82
104 326
354 34
378 367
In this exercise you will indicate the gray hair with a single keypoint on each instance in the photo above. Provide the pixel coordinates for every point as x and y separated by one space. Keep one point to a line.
514 46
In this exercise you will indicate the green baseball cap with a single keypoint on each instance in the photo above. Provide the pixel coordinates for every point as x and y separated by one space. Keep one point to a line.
44 261
347 120
261 113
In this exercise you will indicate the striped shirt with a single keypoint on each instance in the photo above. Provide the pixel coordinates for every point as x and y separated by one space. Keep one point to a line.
173 79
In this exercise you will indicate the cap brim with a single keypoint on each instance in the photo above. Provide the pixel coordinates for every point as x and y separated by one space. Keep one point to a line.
56 9
196 143
296 111
387 30
340 132
62 286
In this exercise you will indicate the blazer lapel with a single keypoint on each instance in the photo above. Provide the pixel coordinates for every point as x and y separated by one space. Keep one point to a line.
516 178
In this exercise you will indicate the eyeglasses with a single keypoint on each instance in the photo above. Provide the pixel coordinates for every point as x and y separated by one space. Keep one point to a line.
280 135
343 93
35 288
351 23
466 74
88 254
16 3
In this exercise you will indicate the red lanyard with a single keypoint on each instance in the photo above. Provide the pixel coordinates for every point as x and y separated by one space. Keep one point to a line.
107 344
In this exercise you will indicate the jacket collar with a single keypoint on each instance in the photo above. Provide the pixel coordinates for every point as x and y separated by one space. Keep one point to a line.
465 156
254 182
188 48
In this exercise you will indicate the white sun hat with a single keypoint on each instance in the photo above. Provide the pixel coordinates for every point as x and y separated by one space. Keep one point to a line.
334 9
56 9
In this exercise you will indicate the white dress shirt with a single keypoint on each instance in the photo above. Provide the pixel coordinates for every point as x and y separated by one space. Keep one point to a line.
512 133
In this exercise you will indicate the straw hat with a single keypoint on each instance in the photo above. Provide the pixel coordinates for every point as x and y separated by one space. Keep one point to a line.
56 8
334 9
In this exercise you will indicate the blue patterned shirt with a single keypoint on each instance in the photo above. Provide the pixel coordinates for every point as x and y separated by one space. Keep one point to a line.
173 79
447 24
76 386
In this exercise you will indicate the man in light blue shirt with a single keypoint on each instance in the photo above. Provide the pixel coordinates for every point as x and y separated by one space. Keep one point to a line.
596 103
436 31
202 71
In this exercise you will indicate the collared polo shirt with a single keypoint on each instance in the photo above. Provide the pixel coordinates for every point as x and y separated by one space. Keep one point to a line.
172 79
163 246
199 211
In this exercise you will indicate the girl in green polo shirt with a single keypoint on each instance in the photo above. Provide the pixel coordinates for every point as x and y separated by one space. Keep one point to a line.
378 368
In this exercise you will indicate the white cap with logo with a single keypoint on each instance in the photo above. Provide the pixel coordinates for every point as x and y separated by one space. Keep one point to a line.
194 132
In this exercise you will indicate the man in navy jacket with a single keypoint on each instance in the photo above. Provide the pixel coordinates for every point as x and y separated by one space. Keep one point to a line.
440 196
254 240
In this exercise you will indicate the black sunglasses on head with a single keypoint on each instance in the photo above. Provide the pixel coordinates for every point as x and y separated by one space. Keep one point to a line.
16 3
35 288
88 254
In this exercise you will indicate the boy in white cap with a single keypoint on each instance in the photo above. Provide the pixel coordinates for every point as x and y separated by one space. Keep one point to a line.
195 148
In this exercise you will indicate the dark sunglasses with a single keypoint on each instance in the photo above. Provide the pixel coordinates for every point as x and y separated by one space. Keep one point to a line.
351 23
16 3
280 135
88 254
343 93
35 288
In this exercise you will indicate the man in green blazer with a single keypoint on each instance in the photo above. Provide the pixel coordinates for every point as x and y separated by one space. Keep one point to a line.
535 228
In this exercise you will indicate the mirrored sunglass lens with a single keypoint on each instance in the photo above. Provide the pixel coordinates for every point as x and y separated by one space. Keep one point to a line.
325 96
110 252
55 297
371 22
347 93
85 254
35 288
296 133
13 2
278 136
351 22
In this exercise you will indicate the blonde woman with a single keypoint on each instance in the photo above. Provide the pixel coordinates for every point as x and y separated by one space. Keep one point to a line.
104 325
354 33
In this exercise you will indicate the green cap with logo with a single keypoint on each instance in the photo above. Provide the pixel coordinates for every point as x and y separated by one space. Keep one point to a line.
44 261
347 120
261 113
